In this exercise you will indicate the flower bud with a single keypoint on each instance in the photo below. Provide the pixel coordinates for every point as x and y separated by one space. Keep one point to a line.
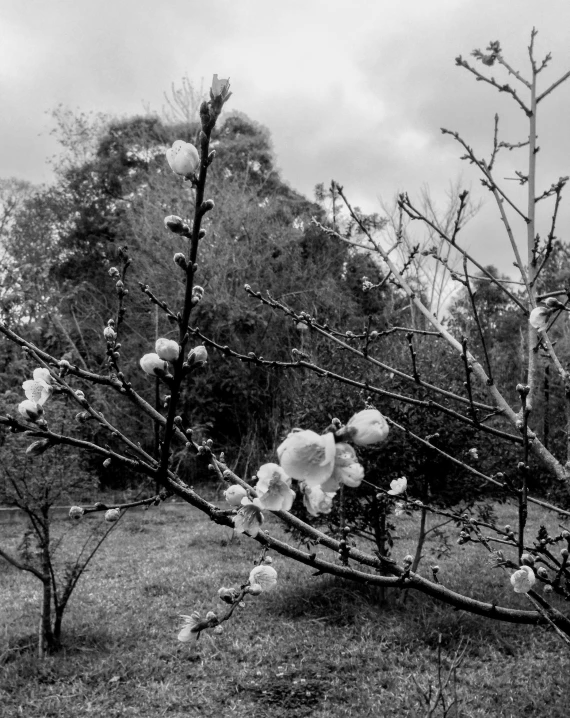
204 113
107 463
208 205
564 553
110 334
183 158
553 303
539 317
37 448
167 349
212 617
408 559
180 260
30 410
219 86
112 515
174 224
198 356
76 512
114 273
264 576
527 560
235 494
542 572
152 364
197 294
367 427
228 595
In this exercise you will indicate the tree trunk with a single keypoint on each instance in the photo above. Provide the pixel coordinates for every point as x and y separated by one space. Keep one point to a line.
421 541
48 641
381 536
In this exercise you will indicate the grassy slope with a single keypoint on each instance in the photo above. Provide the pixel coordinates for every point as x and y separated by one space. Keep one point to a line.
315 647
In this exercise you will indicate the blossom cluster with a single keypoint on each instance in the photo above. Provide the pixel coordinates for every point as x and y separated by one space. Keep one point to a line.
262 578
320 463
167 351
37 390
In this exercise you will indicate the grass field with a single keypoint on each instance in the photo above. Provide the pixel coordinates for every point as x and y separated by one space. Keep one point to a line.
313 647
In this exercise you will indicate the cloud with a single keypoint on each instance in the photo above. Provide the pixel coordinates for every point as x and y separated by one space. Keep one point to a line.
349 89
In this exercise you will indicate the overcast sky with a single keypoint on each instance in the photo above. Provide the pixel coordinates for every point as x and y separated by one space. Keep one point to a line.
352 90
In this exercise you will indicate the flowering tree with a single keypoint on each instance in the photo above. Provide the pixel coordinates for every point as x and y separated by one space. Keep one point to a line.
324 467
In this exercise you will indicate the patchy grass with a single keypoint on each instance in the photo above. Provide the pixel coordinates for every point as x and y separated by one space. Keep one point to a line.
315 647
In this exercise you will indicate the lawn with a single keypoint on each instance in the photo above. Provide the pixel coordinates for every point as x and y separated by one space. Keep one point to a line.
313 647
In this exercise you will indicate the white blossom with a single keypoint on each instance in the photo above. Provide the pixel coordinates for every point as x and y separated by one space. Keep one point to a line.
112 515
151 363
523 579
346 470
37 390
167 349
539 317
399 508
190 630
235 494
264 576
308 457
367 427
30 410
317 501
273 489
248 519
398 486
183 158
198 355
42 373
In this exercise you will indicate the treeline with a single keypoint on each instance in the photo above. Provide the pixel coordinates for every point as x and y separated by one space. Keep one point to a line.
112 192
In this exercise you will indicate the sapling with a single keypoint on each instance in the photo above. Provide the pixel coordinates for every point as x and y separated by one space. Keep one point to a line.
55 551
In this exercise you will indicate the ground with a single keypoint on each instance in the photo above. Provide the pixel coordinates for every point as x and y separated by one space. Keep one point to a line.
313 647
